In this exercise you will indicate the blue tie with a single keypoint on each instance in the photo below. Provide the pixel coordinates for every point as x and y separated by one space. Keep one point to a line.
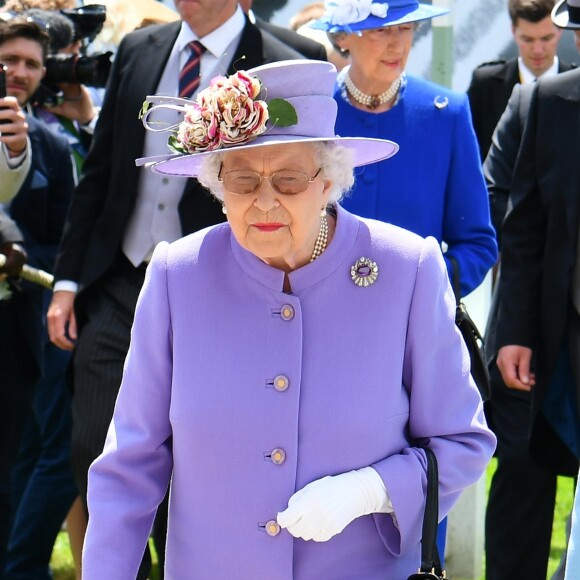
189 75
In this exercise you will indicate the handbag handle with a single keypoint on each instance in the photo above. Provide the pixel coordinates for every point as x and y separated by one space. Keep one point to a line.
430 562
455 282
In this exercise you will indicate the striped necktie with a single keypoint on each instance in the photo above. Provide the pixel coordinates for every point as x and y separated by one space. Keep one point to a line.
189 75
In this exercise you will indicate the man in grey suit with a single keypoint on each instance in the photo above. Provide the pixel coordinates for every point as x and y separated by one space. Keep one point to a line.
120 212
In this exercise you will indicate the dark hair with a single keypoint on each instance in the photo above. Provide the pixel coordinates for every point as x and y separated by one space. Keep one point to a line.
531 10
24 27
60 28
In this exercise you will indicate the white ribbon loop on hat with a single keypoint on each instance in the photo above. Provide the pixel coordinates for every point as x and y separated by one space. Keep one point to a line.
163 102
341 12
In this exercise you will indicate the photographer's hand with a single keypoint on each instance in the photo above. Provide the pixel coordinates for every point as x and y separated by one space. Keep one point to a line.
77 104
14 130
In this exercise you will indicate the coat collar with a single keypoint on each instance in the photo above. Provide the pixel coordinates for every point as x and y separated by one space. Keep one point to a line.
334 257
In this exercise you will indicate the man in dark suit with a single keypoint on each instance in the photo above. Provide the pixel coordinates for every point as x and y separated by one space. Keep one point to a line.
537 39
119 212
305 46
39 209
520 508
537 324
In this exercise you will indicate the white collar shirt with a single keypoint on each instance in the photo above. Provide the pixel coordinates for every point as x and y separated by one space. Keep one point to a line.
526 75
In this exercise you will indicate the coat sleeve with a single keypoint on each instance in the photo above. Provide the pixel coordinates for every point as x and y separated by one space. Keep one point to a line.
90 194
467 228
477 104
445 409
524 238
500 161
12 178
130 478
9 232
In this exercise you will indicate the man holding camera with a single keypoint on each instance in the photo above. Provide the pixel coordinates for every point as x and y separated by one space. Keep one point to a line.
39 209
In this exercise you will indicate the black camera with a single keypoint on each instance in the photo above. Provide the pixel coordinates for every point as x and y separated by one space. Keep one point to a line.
87 21
90 70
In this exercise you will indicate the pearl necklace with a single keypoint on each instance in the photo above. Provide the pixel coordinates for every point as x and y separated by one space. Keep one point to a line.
371 101
321 240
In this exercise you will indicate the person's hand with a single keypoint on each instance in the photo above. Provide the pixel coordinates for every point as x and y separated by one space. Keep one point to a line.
77 104
326 506
62 325
514 364
15 259
14 130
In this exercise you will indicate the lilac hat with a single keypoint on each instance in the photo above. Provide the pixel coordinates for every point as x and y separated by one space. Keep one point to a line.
283 102
566 14
356 15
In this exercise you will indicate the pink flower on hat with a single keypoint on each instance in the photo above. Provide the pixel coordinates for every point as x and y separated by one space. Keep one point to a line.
226 113
342 12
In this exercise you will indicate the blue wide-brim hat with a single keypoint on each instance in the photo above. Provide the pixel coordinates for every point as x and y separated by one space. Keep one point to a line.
305 86
356 15
566 14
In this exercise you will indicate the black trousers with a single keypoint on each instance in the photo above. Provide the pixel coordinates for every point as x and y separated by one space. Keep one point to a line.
98 361
520 510
17 379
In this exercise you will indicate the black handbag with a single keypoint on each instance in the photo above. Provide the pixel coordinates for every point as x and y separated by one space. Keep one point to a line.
472 337
430 563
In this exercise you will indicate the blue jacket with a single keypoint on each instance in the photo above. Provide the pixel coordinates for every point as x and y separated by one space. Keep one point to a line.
434 185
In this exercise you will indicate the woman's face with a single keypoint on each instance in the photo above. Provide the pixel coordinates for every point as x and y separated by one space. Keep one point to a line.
380 54
279 229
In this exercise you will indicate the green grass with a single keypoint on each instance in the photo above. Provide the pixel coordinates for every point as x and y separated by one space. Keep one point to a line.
63 568
62 562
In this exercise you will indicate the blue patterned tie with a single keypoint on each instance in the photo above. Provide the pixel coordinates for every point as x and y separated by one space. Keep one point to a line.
189 75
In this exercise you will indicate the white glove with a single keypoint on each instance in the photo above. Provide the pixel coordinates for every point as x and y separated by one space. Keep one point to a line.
326 506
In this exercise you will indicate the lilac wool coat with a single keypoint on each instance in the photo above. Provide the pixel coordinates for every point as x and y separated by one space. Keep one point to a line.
225 369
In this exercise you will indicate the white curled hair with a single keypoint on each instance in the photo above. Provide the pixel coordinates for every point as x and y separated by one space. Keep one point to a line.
336 161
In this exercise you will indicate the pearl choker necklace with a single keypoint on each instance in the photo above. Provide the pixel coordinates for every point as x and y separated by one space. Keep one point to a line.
371 101
321 240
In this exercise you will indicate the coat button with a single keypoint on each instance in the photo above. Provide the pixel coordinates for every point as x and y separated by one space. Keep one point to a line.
287 312
281 383
272 528
278 456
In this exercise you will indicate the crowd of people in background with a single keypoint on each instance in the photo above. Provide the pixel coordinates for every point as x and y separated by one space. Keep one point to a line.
490 174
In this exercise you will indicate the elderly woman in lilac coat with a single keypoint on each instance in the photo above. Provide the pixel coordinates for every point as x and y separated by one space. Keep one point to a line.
287 367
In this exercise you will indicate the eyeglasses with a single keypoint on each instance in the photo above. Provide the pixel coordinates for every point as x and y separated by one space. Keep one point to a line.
286 181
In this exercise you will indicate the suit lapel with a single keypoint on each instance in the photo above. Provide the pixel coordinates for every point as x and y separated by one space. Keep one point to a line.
155 55
250 51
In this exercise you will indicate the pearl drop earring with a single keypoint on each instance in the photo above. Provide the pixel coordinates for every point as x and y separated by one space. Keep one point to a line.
224 210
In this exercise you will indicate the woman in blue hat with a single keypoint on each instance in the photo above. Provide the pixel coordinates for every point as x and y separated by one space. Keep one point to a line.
434 186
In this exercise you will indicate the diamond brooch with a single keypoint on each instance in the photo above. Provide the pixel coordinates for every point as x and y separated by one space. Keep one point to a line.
364 272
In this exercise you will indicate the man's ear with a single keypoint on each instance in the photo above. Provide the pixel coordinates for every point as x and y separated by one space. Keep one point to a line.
43 71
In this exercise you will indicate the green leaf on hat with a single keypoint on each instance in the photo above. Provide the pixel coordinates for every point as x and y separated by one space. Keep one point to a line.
144 109
175 145
282 113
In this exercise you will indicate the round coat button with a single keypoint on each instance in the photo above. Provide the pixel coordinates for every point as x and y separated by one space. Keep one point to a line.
278 456
272 528
287 312
281 383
